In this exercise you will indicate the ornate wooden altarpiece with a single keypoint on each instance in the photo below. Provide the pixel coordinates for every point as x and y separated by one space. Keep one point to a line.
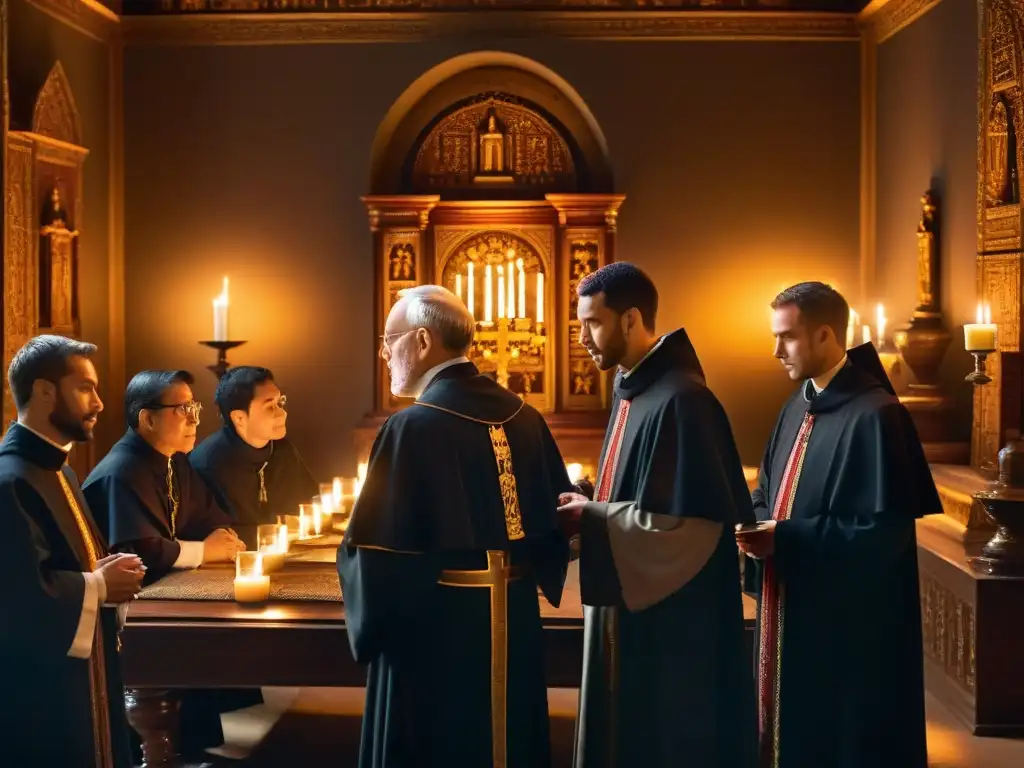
492 186
43 186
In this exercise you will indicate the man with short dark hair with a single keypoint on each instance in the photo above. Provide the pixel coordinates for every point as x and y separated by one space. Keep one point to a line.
63 699
146 497
455 529
251 467
666 679
840 678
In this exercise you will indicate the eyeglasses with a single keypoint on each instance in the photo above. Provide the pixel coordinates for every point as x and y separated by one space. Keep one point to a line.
281 402
189 409
385 338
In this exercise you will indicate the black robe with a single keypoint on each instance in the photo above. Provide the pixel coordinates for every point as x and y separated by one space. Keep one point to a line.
852 681
666 680
432 501
231 468
47 698
127 493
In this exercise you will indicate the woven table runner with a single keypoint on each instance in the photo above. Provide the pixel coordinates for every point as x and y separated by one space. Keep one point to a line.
306 585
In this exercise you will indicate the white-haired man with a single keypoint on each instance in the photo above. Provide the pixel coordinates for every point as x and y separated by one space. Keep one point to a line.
454 531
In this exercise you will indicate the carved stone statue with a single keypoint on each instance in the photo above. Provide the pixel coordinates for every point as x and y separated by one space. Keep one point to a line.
57 265
927 257
402 262
492 148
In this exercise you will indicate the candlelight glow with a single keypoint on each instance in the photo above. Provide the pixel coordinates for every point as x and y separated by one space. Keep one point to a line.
981 336
220 314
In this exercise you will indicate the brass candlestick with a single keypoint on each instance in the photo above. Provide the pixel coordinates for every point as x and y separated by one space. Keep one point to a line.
222 347
978 376
506 340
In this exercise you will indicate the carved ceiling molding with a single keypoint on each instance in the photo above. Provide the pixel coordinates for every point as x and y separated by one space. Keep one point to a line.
281 29
55 114
147 7
887 17
90 17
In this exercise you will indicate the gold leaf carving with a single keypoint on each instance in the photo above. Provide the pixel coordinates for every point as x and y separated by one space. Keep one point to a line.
19 267
949 632
55 114
1002 51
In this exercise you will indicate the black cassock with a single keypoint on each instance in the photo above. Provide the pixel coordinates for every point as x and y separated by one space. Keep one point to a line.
132 502
129 494
55 709
466 477
851 689
254 485
667 680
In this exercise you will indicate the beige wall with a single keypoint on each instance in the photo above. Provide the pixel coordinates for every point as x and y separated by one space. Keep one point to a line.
927 138
36 41
739 162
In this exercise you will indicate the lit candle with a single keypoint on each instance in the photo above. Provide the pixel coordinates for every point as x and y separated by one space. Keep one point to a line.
575 472
458 285
327 505
865 334
501 291
269 545
469 288
306 516
488 285
220 314
251 584
522 289
850 327
336 487
282 537
510 300
540 297
318 512
981 336
880 322
360 479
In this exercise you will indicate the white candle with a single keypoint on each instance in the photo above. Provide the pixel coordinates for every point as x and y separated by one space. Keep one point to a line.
865 334
318 512
336 487
981 336
510 299
252 585
469 288
501 291
458 285
522 289
282 537
220 314
540 297
880 321
488 285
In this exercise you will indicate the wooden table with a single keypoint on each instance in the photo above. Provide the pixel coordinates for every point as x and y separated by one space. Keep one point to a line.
176 644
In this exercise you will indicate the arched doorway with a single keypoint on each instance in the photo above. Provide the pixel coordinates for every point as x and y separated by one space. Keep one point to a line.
490 176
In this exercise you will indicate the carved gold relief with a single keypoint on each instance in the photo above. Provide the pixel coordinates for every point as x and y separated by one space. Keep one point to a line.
584 252
185 6
949 632
927 258
1003 43
997 151
19 266
1001 286
55 114
495 141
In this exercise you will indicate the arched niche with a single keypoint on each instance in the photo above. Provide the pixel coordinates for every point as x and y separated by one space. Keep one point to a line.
473 82
485 161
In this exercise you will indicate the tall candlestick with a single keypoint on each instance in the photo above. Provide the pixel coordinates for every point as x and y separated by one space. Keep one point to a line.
880 321
510 298
540 297
458 285
981 336
522 289
488 286
220 314
469 288
501 291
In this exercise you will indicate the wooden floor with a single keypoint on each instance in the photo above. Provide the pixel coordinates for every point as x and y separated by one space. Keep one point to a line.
320 726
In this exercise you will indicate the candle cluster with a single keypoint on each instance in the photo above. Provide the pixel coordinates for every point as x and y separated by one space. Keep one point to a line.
862 333
506 281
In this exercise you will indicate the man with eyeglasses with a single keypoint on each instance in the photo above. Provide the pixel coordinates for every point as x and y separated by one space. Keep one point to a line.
145 495
148 499
249 464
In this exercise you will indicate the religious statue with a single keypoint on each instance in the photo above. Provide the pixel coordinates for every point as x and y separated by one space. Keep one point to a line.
927 257
402 262
57 264
492 148
998 156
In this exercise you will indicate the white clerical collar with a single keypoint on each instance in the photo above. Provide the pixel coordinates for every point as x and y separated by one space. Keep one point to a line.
428 377
66 448
823 381
650 352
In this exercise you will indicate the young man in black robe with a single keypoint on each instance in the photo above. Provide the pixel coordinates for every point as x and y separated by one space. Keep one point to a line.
454 531
840 669
63 701
148 500
251 467
666 678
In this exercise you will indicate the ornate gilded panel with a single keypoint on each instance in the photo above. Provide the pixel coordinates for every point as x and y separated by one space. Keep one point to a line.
1003 54
1002 228
494 142
949 632
401 263
55 115
1001 288
583 383
503 275
20 270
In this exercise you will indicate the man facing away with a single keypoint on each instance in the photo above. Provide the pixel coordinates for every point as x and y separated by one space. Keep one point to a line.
666 678
148 500
63 700
249 464
453 532
840 678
